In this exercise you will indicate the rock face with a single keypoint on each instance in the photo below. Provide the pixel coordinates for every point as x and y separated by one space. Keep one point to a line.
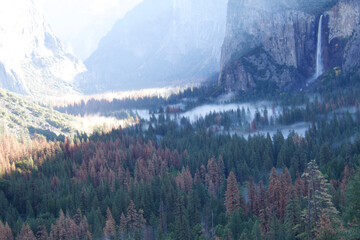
272 44
342 45
32 60
159 42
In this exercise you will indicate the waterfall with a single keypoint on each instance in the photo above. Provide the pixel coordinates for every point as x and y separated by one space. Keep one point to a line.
319 61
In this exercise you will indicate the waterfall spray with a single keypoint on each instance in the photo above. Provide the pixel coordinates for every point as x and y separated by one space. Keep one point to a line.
319 61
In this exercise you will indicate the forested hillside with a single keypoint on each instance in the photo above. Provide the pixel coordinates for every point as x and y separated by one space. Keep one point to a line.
271 151
23 118
179 181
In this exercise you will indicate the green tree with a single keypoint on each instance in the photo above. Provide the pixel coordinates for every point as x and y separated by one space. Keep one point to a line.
292 219
182 229
319 200
352 212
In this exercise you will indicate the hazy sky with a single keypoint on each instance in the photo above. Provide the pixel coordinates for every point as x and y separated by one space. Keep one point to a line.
82 23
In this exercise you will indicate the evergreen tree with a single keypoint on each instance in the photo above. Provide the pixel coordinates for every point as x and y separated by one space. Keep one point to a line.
131 219
274 192
182 231
292 219
256 232
110 226
26 233
276 229
318 200
213 177
58 230
162 219
265 220
253 198
123 226
286 186
232 194
41 233
352 212
141 224
326 229
236 225
5 232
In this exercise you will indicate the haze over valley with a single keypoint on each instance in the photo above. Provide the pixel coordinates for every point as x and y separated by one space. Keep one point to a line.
179 119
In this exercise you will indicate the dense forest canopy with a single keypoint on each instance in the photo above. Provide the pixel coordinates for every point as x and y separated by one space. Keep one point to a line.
222 176
178 180
285 169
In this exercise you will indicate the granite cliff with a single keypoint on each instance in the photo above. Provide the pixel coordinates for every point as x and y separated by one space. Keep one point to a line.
273 44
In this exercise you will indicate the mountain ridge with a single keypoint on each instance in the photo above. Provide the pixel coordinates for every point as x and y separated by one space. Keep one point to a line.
33 61
158 43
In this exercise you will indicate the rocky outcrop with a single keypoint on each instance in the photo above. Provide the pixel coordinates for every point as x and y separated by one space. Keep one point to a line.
158 43
343 36
32 60
273 44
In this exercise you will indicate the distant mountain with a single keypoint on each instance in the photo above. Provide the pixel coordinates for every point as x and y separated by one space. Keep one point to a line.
273 44
32 59
158 43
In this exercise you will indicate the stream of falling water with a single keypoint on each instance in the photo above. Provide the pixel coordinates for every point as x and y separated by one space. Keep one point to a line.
319 60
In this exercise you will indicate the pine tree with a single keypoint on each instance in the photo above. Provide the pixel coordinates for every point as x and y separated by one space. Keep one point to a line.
285 182
110 226
141 224
131 218
25 233
5 232
256 231
182 229
344 183
213 177
66 228
141 171
253 198
300 186
352 212
77 217
55 182
265 220
58 230
84 229
162 219
184 180
194 207
274 192
232 194
292 219
263 201
276 229
318 200
123 226
326 229
41 233
235 224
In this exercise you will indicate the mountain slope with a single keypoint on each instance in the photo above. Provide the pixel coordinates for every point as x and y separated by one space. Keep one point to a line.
157 43
32 60
22 117
273 44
